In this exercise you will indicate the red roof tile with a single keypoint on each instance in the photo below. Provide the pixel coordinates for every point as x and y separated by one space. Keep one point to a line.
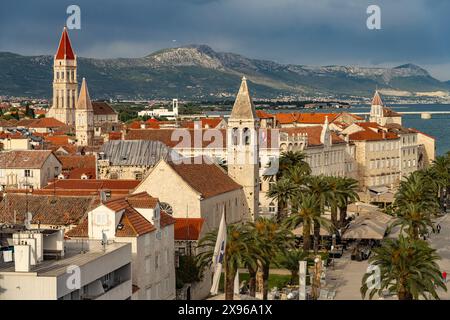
65 48
80 184
77 161
166 219
47 123
207 179
24 159
188 228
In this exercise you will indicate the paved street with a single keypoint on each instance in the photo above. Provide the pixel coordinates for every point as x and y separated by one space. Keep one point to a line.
345 277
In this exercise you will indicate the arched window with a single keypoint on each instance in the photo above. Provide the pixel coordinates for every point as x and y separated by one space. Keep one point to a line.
246 136
272 207
235 136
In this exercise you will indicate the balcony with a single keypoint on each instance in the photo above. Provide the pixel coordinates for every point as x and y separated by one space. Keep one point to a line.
120 291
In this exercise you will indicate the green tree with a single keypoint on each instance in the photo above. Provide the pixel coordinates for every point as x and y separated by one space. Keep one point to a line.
271 239
321 189
283 192
236 253
289 260
307 215
348 189
440 174
407 268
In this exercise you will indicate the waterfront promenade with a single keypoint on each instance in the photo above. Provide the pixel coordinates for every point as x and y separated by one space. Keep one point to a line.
345 277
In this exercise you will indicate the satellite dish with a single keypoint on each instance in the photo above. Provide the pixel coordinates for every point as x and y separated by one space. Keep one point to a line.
27 221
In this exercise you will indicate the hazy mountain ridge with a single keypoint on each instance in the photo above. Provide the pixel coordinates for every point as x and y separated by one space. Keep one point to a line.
197 71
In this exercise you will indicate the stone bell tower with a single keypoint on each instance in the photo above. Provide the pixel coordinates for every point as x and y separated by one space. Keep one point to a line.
243 148
65 87
84 116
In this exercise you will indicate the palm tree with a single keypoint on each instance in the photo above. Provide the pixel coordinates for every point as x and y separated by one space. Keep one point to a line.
348 189
417 188
290 159
414 218
251 259
407 268
319 186
236 252
336 197
307 215
440 171
289 260
283 191
272 238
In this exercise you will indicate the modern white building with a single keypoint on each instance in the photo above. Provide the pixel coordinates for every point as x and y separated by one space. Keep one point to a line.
41 265
162 112
138 220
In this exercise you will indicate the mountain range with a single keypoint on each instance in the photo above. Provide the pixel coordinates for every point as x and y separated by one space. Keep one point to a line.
199 72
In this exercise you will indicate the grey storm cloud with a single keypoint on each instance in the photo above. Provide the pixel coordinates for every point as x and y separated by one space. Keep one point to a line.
318 32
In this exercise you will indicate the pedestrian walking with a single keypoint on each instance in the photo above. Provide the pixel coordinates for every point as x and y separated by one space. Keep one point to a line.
444 276
438 228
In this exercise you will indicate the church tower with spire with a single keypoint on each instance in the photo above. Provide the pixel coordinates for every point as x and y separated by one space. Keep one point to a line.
84 116
376 110
243 148
65 87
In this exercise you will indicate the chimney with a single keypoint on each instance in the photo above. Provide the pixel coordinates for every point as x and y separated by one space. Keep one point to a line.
22 258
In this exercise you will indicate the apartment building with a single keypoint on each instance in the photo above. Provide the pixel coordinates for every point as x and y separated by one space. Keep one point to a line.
41 265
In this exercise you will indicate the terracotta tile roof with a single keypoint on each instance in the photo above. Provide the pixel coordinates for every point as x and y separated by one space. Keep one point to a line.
65 48
46 209
25 122
142 200
205 122
7 135
115 136
172 137
77 173
58 140
313 133
135 125
264 115
376 100
68 148
77 161
47 123
370 135
317 118
80 184
388 112
79 231
188 228
285 118
24 159
131 224
151 120
207 179
102 108
166 219
5 123
134 224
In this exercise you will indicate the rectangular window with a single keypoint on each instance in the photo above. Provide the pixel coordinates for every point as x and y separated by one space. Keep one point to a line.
28 173
156 261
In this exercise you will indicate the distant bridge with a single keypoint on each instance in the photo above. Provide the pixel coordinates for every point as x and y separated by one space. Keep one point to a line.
423 114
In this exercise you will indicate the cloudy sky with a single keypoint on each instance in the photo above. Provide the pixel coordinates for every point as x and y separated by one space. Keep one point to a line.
311 32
